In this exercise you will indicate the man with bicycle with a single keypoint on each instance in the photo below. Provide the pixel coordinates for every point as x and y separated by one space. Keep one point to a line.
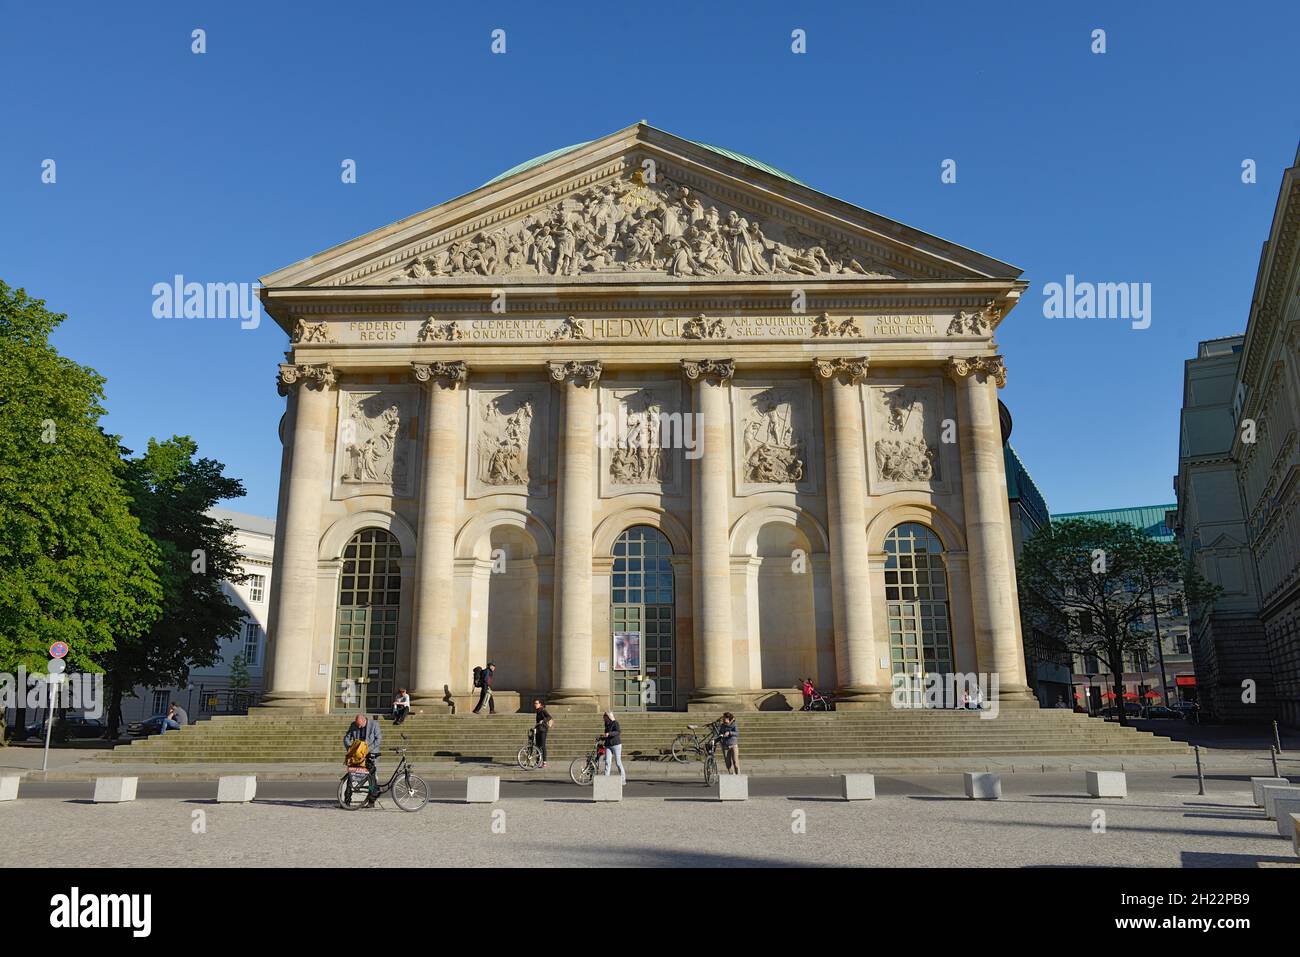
369 733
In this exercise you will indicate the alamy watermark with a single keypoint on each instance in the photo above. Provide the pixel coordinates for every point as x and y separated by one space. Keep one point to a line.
953 691
81 691
1098 300
179 299
649 430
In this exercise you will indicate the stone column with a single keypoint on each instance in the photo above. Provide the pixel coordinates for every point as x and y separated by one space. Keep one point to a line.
711 545
988 529
577 493
431 677
856 667
311 397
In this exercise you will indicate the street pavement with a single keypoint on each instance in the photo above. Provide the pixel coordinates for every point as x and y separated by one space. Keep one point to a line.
1043 819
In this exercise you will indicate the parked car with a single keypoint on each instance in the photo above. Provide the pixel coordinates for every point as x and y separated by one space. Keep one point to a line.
76 726
1160 711
1131 710
147 727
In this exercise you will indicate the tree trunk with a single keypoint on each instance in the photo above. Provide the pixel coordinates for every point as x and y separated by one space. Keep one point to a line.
114 710
1117 677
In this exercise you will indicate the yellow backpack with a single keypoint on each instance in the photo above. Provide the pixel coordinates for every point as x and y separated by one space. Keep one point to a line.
356 757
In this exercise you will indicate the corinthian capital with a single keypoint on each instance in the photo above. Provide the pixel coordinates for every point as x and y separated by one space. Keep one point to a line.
959 369
716 371
579 373
319 375
848 371
449 374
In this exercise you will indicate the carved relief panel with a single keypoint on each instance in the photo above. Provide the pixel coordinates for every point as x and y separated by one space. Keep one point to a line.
905 425
643 432
775 436
375 445
507 440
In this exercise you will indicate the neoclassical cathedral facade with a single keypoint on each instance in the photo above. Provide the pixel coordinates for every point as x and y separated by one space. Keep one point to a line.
649 425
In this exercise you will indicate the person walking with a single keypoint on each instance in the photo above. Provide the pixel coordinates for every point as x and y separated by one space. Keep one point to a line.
544 723
729 738
613 746
485 682
366 731
401 706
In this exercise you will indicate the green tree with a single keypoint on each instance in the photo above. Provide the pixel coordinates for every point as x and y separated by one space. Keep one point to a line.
75 565
172 492
1087 583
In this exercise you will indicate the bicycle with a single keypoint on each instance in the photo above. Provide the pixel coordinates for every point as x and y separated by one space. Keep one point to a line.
530 755
710 761
410 793
691 742
583 768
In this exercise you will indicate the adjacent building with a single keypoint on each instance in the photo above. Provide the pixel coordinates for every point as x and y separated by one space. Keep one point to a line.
1234 674
1266 443
650 424
1165 672
227 687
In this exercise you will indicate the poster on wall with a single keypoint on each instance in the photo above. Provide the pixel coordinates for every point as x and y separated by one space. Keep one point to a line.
627 651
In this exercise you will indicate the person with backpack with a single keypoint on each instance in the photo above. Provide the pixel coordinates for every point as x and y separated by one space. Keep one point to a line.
613 746
365 736
483 680
544 724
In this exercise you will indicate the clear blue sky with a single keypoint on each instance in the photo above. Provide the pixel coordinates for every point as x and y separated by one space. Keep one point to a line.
224 167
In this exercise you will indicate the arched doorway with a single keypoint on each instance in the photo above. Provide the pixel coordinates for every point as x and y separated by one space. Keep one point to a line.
916 604
642 612
365 636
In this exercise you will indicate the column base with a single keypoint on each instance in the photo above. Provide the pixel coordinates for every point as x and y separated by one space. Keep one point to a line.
715 699
582 700
288 702
1017 697
430 701
862 698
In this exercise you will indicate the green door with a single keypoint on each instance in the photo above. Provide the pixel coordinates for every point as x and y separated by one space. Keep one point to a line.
642 647
365 640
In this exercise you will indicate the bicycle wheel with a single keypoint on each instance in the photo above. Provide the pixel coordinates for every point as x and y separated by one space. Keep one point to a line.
582 770
530 757
685 747
410 793
523 758
351 799
710 771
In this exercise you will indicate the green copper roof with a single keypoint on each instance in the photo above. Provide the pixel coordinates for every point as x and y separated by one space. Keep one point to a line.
1145 518
730 154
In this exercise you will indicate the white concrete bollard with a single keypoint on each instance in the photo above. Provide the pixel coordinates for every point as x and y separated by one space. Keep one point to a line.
982 786
606 788
1257 785
733 787
1295 833
1272 793
1286 807
9 787
236 788
114 790
1106 784
482 789
858 787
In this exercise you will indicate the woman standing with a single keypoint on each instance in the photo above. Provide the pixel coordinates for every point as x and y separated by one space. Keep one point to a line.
729 738
613 746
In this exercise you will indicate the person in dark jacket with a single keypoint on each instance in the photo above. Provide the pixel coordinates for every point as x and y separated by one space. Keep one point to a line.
542 726
613 746
729 739
362 729
486 693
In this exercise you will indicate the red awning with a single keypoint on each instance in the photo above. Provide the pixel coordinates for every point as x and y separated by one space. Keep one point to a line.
1185 681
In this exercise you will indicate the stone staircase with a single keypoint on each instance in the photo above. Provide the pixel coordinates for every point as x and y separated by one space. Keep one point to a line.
303 739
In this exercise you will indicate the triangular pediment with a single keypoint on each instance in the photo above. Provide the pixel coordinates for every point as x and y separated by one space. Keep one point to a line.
640 206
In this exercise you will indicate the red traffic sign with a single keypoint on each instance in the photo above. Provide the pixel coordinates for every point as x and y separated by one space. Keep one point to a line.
59 649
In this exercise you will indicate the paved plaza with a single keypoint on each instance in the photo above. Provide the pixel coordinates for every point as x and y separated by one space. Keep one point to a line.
1043 819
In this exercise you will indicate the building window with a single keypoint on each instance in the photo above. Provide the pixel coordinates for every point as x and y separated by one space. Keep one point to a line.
1091 666
642 606
1176 607
365 639
256 587
252 643
1180 642
161 699
916 596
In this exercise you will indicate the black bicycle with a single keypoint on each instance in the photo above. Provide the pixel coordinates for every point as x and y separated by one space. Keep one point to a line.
530 755
408 789
584 766
690 743
710 748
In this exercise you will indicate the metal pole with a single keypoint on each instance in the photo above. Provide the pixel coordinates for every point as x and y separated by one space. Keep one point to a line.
1272 752
1160 651
1277 740
1200 778
49 724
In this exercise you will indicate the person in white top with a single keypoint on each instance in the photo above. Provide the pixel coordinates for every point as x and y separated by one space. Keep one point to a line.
401 706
